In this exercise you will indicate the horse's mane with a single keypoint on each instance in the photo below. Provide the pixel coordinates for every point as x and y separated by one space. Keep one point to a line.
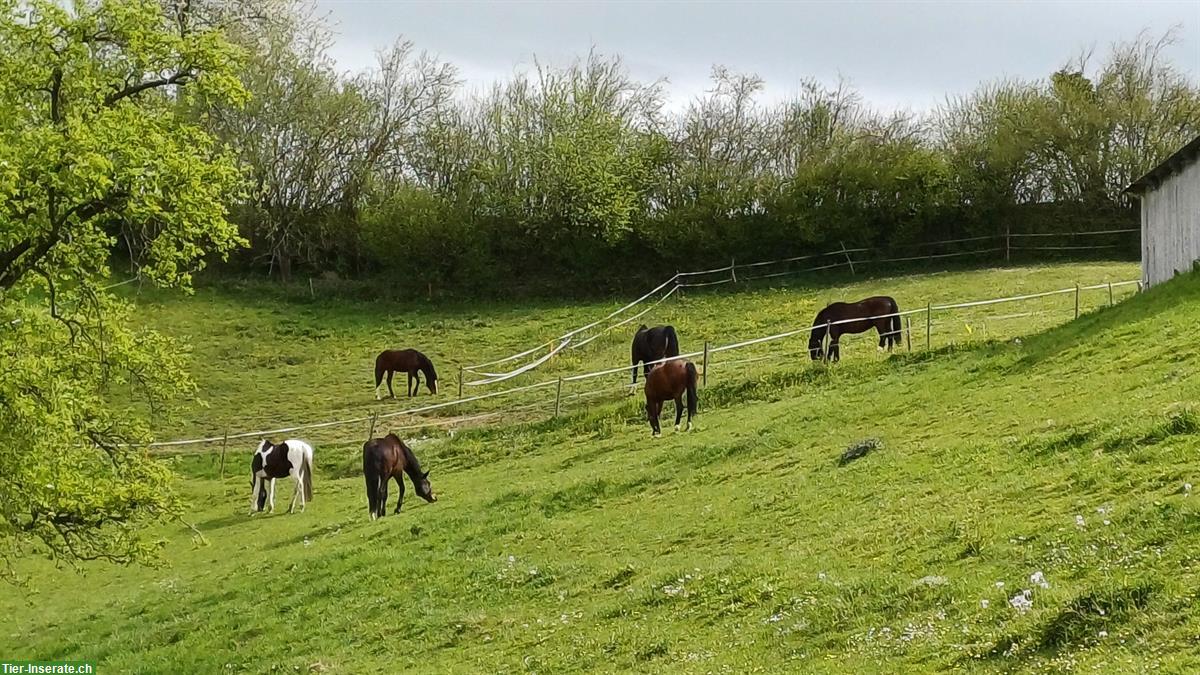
412 466
426 366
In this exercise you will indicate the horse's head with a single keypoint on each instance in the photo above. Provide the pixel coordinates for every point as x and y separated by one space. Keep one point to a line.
814 346
425 490
431 382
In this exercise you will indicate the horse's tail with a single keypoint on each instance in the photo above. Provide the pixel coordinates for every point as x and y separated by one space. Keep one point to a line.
379 369
897 327
672 341
306 468
692 378
371 473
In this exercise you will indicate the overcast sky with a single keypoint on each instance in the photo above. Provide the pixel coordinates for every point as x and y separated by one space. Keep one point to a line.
898 55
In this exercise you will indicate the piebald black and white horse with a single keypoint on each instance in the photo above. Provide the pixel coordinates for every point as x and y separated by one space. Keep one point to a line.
290 458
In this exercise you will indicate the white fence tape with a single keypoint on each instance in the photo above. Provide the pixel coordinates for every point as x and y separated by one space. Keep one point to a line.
500 377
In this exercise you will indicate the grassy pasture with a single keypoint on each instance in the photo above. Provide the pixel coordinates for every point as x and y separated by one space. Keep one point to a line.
580 544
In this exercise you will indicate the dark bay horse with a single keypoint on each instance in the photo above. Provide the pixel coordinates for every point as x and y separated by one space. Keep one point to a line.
879 306
652 344
408 361
387 458
670 380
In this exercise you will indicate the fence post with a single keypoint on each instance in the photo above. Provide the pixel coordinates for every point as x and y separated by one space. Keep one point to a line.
1076 301
558 398
371 432
827 340
704 375
908 332
1110 300
733 269
847 254
1007 242
460 378
224 444
311 293
928 323
678 285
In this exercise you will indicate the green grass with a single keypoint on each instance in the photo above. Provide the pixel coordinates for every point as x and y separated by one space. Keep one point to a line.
581 544
270 358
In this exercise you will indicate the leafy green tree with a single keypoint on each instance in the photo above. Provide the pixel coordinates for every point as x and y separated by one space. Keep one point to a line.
91 137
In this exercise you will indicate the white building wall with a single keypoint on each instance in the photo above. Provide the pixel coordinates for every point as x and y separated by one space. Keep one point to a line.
1171 225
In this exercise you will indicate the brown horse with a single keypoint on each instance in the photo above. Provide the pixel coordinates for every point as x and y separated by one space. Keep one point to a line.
670 380
387 458
408 361
879 312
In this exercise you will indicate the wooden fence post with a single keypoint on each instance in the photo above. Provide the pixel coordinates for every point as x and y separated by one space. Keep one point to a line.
374 418
733 269
827 340
311 293
1007 242
908 332
558 398
1110 299
1076 301
847 254
460 379
224 444
928 324
704 375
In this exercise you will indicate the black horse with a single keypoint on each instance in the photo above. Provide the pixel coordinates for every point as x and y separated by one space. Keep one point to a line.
653 344
879 312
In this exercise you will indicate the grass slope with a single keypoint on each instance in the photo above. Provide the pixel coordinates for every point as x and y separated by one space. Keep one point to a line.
268 358
581 544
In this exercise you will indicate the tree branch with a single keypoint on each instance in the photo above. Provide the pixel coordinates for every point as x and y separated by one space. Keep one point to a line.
181 77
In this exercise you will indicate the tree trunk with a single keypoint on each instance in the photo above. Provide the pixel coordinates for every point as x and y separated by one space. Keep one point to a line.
285 266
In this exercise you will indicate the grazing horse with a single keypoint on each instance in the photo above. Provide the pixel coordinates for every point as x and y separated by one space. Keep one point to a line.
408 361
290 458
878 312
387 458
669 381
652 344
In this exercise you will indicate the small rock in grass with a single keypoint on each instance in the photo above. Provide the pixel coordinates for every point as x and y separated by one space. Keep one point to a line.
932 580
859 449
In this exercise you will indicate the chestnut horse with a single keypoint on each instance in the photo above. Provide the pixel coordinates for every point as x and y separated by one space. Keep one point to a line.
652 344
670 380
879 312
408 361
387 458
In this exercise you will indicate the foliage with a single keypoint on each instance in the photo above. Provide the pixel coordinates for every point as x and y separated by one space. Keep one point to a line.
92 143
563 173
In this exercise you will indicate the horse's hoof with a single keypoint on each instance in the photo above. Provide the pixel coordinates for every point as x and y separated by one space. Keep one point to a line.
689 426
655 434
676 428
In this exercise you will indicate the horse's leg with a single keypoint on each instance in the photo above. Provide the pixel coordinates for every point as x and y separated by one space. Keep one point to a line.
254 495
383 486
298 479
652 417
410 379
400 497
391 393
271 497
678 410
